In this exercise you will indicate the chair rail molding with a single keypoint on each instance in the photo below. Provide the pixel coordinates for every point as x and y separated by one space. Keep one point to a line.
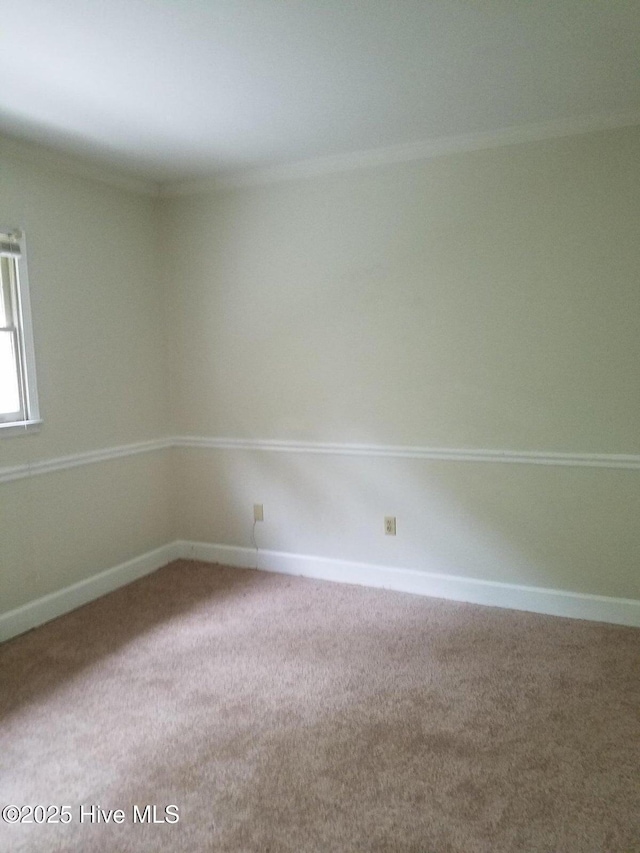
626 461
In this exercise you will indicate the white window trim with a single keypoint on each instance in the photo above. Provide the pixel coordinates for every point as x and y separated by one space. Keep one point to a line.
19 427
33 420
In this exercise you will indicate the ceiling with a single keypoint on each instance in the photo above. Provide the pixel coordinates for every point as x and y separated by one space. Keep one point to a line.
177 89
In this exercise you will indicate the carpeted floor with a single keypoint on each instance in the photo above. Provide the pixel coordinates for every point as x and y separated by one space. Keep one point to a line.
283 714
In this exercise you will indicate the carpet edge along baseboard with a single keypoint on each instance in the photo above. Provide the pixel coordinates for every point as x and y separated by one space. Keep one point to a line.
554 602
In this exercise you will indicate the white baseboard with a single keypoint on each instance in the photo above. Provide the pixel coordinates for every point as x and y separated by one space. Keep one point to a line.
62 601
555 602
576 605
226 555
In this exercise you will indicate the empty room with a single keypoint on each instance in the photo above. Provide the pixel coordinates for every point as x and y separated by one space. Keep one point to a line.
320 426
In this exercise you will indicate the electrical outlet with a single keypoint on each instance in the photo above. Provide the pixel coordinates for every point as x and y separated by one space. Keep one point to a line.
258 512
389 525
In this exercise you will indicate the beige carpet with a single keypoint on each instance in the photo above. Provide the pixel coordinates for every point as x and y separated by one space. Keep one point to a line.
282 714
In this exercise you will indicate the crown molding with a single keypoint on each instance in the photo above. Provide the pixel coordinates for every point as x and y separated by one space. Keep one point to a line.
220 181
422 150
39 155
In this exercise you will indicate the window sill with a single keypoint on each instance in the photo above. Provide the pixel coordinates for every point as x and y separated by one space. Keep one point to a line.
20 427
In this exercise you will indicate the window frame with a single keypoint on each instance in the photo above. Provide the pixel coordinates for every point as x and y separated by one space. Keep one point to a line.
29 416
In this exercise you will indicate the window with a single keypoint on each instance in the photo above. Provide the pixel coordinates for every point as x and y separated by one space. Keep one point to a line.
18 393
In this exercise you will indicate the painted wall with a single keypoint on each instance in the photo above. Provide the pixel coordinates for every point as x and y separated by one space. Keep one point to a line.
482 300
98 326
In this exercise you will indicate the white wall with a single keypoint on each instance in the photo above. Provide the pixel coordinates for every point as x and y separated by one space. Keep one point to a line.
98 325
482 300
